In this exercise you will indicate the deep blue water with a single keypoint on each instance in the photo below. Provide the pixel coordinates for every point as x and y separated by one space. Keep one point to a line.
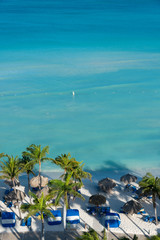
108 52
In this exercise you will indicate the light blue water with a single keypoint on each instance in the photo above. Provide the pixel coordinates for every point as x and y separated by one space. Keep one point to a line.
108 52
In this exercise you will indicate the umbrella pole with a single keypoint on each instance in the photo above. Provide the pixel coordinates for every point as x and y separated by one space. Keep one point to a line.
20 216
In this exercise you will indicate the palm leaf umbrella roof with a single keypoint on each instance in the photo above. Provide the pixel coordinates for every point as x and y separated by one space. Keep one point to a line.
141 193
106 184
132 207
35 181
128 178
15 195
45 191
10 183
97 199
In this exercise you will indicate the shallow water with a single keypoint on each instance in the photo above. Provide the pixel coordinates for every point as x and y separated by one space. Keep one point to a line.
108 53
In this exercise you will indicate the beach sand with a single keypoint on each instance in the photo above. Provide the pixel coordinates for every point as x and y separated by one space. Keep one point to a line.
129 226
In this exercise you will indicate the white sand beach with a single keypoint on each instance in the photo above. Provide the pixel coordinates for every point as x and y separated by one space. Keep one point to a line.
130 224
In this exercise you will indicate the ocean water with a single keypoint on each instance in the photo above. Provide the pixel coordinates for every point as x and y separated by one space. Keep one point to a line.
108 53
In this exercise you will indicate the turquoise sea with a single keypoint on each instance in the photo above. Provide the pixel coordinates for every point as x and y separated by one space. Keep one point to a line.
108 53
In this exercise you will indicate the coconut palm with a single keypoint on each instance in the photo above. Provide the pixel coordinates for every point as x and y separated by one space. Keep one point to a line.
63 189
149 183
66 162
28 166
70 165
10 169
37 155
41 206
79 174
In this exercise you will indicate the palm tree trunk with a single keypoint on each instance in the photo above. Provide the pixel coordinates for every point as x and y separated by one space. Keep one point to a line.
64 216
40 184
42 237
29 187
20 216
155 209
28 182
14 185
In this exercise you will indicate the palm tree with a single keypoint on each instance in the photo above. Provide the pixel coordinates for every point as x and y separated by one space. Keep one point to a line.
61 189
79 173
10 169
37 155
149 183
71 165
66 162
28 166
41 206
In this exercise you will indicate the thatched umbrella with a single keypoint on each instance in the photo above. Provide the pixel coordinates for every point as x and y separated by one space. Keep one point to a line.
140 192
10 182
132 207
15 196
128 178
45 191
35 181
106 184
97 199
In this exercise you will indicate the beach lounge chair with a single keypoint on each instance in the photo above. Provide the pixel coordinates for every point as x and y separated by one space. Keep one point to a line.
23 223
149 197
152 219
108 209
10 204
8 219
91 210
58 218
146 218
112 220
134 189
72 217
28 223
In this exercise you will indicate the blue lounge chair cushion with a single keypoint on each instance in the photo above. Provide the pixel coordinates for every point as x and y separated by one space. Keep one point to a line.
152 219
58 218
113 220
8 219
146 218
29 220
23 223
72 216
37 214
10 205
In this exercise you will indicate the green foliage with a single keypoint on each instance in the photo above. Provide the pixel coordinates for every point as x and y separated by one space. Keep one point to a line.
90 235
157 237
104 234
61 188
10 168
124 238
39 205
37 155
149 183
27 164
70 165
135 237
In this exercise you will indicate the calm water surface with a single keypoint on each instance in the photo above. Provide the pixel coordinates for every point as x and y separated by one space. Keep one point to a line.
108 53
